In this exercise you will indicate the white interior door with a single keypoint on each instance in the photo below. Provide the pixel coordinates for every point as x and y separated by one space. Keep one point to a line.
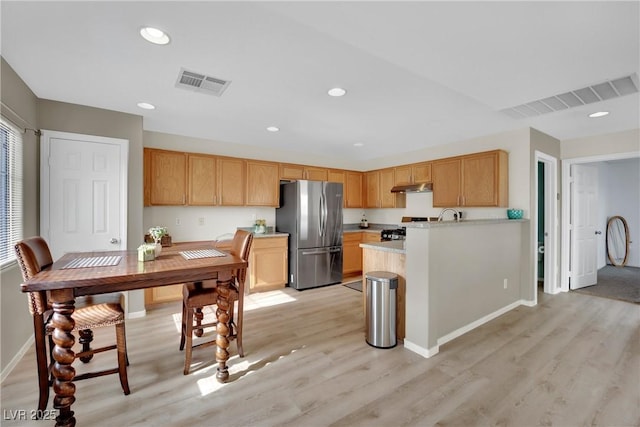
83 185
584 212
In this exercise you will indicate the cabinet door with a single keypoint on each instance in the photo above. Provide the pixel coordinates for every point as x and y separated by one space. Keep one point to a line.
231 181
483 179
352 253
446 182
162 294
316 174
146 171
294 172
387 198
372 185
370 237
353 192
201 188
335 176
403 175
167 177
421 172
268 264
263 184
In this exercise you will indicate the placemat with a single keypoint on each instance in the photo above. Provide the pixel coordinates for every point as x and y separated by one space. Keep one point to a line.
96 261
202 253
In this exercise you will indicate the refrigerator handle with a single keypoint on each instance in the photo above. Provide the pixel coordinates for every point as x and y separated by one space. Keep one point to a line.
320 219
323 213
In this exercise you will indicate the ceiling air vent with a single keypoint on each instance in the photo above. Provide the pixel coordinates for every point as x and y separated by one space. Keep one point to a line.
576 98
201 83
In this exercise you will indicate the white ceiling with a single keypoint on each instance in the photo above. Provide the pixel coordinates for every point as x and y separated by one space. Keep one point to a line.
418 74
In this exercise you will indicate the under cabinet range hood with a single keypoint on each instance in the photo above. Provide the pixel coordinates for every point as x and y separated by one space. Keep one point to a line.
413 188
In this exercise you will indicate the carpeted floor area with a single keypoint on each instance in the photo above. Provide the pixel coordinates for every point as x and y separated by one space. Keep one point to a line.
621 283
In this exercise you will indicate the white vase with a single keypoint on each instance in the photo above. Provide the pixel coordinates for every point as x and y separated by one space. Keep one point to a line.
158 249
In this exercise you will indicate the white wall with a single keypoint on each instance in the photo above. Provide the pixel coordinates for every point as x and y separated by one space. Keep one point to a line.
620 195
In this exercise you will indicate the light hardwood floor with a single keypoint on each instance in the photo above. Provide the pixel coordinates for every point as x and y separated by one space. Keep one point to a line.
573 360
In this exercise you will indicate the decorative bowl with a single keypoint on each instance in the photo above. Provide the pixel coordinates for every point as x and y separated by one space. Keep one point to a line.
515 213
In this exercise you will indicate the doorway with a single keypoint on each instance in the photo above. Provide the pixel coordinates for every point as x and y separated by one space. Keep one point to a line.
568 237
546 224
83 192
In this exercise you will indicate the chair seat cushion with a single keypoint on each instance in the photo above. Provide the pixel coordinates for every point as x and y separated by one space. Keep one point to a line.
94 311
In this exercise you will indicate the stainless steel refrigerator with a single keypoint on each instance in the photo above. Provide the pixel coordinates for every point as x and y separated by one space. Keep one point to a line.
311 212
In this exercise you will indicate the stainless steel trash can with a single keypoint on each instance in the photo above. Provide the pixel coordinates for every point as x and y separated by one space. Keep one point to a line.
381 309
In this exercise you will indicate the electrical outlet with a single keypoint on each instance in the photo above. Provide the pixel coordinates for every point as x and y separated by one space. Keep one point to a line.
178 221
506 283
201 221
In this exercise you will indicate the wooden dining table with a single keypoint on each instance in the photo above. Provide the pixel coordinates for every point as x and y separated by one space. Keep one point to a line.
64 284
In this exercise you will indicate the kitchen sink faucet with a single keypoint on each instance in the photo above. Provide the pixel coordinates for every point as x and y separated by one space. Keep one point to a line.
457 216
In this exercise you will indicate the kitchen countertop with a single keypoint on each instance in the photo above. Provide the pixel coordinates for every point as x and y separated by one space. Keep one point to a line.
394 246
464 222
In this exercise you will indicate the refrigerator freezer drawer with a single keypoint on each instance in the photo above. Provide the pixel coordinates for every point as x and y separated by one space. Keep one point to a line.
318 267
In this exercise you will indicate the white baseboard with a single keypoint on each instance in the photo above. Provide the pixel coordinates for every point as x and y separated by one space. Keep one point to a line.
136 314
466 328
14 361
424 352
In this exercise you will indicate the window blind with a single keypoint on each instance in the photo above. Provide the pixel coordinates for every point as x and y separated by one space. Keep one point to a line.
11 197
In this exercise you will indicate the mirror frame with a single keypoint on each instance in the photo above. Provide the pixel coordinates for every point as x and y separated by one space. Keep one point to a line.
626 238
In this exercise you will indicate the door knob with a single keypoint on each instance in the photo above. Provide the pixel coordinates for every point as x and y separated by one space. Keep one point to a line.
114 240
598 232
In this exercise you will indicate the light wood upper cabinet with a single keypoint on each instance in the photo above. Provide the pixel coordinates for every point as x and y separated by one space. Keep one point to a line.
166 173
201 182
316 174
372 185
297 172
334 175
263 184
231 181
474 180
268 264
378 184
413 174
353 190
294 172
447 182
485 179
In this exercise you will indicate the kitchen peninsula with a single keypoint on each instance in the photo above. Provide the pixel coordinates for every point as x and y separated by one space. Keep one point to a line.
386 256
453 277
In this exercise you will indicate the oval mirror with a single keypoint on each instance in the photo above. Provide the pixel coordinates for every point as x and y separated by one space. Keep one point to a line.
617 241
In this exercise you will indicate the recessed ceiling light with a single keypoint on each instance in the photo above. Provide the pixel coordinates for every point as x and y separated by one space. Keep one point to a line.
337 91
273 129
146 106
358 144
599 114
154 35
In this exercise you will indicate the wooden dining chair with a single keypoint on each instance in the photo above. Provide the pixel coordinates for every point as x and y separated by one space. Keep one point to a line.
91 312
196 296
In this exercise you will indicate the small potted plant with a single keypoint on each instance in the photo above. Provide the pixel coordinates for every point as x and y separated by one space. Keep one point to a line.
260 226
157 233
147 252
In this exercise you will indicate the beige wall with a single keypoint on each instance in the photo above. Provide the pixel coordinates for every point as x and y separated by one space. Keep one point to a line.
613 143
209 146
19 106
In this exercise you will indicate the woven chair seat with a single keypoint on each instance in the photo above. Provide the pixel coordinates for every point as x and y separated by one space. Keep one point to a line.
93 312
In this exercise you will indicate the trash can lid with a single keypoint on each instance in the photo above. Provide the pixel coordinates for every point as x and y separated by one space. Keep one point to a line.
381 276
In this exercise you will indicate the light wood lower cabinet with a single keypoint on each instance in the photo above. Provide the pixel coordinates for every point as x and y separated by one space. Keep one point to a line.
351 253
268 264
